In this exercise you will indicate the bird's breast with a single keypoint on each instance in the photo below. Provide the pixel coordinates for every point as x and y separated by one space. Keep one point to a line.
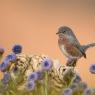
63 42
62 48
68 49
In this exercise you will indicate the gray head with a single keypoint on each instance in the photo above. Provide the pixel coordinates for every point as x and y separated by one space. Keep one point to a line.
65 31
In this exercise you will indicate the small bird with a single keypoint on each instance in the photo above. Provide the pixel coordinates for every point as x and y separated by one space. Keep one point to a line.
70 46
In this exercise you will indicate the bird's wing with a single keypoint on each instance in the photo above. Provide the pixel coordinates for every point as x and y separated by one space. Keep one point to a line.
76 44
81 50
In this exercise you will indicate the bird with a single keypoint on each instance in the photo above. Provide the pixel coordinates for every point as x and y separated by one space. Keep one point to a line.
70 46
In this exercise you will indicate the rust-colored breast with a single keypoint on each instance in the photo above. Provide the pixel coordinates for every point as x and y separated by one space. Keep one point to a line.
70 48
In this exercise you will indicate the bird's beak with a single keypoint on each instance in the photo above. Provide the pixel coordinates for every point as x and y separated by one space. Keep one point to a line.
57 33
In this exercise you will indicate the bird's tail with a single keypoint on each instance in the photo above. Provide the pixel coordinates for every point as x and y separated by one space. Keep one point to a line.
85 47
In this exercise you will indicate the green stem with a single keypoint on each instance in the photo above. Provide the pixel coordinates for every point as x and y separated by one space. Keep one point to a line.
46 83
42 88
36 91
1 57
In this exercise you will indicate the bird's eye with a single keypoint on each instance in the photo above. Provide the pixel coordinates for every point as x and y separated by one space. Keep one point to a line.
64 31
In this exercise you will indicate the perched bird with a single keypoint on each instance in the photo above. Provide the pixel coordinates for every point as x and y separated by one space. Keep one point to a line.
70 46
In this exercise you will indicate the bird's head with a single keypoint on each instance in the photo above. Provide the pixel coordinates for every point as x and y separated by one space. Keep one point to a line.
64 31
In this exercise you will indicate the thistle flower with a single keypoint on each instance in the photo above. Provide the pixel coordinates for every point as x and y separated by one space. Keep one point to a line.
6 77
74 86
40 75
77 79
17 49
82 86
33 76
11 57
4 65
7 60
67 91
1 51
87 91
30 86
92 68
47 64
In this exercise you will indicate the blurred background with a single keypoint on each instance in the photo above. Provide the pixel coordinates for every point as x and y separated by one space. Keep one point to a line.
34 23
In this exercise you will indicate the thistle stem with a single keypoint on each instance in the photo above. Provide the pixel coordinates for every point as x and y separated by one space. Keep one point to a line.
46 83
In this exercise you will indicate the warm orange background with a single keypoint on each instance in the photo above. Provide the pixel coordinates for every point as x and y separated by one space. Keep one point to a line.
34 23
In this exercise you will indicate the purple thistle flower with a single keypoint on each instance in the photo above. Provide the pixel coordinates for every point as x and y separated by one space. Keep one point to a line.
82 86
74 86
11 57
92 68
30 86
4 65
6 77
47 64
87 91
77 79
40 75
1 51
67 91
7 60
17 49
33 76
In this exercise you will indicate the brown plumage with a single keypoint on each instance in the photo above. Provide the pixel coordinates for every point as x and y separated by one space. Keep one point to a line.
70 46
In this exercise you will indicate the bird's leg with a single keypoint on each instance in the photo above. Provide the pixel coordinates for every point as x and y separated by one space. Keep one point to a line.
71 62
